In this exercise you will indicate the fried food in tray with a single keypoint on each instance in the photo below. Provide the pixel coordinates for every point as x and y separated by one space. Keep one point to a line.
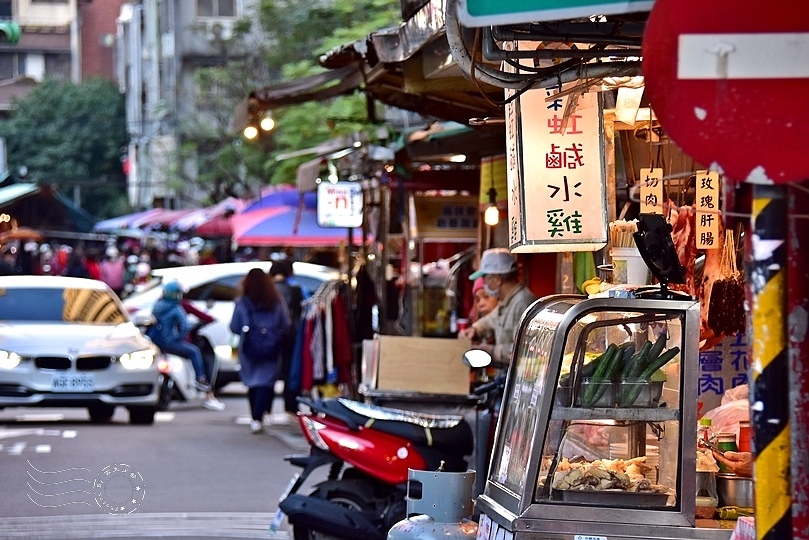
608 481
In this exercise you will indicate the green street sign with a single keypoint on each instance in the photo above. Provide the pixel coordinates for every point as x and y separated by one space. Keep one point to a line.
498 12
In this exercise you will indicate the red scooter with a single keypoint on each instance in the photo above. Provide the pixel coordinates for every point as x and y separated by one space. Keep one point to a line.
369 450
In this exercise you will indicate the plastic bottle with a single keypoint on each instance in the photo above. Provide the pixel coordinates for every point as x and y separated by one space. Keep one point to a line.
705 432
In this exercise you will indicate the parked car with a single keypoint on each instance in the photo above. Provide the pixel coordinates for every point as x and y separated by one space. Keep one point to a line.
213 288
69 342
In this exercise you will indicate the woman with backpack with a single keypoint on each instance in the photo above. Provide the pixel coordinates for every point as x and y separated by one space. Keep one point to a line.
260 319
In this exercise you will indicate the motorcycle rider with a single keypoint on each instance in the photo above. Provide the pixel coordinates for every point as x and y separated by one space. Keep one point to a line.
170 332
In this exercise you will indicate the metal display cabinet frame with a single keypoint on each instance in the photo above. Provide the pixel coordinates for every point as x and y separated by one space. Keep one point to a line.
513 499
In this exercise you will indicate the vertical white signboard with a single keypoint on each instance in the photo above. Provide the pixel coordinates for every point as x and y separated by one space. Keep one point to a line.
556 180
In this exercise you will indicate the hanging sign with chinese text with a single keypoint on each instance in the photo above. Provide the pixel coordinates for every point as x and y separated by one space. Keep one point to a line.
557 193
651 191
707 206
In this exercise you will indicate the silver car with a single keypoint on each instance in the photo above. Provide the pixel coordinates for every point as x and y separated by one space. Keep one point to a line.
69 342
213 288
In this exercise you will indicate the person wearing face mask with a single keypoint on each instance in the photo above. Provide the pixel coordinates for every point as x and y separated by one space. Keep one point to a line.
499 271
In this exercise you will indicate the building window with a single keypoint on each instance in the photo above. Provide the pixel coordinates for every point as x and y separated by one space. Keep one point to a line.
7 66
57 66
5 9
216 8
12 65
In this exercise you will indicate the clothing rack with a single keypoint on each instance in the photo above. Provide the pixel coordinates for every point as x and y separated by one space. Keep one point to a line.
323 345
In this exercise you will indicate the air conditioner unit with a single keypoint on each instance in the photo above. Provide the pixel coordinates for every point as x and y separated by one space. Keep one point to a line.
220 29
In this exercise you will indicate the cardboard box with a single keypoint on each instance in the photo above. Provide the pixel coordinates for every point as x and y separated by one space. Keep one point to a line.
419 364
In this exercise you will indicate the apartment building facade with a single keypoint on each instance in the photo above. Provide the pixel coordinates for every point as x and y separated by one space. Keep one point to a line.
66 40
160 46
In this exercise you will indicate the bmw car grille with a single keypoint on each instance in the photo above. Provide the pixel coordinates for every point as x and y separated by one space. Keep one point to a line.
62 363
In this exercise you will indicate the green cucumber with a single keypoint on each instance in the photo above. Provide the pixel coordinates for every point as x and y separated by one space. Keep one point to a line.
589 368
627 353
659 362
630 392
634 367
657 348
594 391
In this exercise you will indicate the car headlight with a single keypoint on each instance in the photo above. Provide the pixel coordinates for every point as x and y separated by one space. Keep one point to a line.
137 359
9 360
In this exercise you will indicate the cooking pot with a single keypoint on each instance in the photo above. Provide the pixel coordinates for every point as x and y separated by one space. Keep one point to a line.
734 490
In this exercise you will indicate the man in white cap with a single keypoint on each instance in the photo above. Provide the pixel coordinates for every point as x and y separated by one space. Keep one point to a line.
498 268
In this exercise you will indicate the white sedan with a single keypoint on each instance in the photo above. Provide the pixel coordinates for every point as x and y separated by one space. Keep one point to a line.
213 288
69 342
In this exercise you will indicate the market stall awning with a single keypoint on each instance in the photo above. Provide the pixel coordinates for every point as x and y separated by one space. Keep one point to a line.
286 226
15 192
162 220
217 227
318 87
126 221
44 208
211 216
281 196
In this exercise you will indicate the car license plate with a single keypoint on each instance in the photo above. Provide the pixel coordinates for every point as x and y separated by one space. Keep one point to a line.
73 383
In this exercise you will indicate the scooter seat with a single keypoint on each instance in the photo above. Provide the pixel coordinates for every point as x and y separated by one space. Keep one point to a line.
442 432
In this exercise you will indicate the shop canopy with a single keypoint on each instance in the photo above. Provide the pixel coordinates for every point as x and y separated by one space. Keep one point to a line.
282 195
204 218
285 226
126 221
44 208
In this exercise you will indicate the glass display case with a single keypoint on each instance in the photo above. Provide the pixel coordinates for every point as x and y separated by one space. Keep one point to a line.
597 432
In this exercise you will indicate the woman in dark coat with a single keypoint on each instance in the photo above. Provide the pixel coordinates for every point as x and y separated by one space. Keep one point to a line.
259 305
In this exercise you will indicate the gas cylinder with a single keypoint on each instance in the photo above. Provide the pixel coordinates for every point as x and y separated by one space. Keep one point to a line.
443 502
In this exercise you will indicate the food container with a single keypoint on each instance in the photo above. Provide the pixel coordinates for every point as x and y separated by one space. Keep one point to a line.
705 507
607 398
606 388
735 490
648 393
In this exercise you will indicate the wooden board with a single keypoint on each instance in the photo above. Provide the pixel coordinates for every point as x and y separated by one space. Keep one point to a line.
418 364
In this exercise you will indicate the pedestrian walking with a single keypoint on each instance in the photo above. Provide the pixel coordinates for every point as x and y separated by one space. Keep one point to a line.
112 270
282 274
261 320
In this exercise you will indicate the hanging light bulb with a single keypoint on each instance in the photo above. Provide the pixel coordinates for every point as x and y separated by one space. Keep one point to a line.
250 132
491 216
267 123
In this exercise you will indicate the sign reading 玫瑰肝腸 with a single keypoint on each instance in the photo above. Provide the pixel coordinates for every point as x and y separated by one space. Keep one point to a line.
557 199
707 206
497 12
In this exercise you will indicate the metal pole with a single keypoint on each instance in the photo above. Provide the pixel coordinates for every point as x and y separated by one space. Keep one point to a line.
798 308
769 405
